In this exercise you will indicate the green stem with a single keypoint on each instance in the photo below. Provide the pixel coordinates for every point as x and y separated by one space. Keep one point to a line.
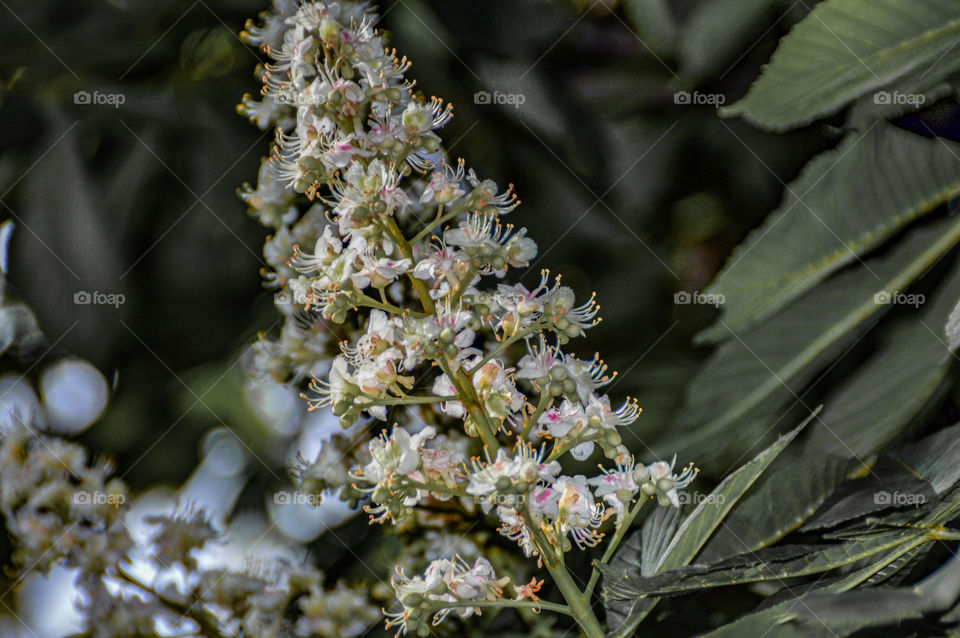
362 299
615 542
557 452
391 228
434 488
471 402
506 343
467 278
439 219
577 601
370 302
545 401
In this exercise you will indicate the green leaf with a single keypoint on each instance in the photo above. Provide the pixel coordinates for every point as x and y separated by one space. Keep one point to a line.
907 95
845 203
845 49
755 373
915 475
776 563
642 552
779 503
870 408
783 617
878 606
655 537
688 540
709 513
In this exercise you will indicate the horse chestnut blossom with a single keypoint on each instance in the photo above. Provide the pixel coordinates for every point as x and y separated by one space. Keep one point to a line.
386 246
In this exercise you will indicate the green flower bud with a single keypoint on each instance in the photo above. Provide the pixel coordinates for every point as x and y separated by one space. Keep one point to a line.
413 599
329 31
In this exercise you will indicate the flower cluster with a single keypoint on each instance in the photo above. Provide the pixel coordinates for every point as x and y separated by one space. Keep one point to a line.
383 288
63 511
444 584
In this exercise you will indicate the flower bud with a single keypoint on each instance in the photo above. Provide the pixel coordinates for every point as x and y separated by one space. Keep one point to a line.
329 31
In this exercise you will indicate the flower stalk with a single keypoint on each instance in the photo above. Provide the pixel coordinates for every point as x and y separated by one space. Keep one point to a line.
478 424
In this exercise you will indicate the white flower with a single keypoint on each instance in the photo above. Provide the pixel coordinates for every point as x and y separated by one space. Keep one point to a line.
616 487
443 387
667 483
606 417
444 185
510 474
539 360
397 455
378 272
340 385
559 421
588 375
577 512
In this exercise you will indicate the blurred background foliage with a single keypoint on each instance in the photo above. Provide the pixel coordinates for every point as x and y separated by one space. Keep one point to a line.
626 191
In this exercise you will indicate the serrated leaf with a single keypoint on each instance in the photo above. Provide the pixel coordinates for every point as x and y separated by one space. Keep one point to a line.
874 607
655 537
775 563
708 514
915 475
691 536
754 374
870 408
845 203
782 499
909 94
845 49
783 616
